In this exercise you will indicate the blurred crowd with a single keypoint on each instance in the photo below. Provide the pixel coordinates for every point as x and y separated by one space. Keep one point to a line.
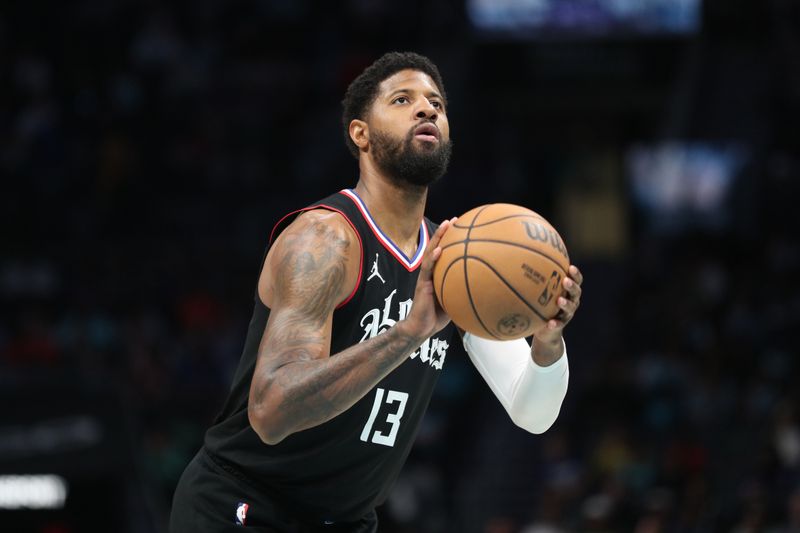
147 149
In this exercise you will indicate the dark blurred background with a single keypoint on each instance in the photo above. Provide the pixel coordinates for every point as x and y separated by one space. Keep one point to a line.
146 150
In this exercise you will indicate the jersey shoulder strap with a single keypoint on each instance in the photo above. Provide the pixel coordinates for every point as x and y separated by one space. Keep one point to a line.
338 203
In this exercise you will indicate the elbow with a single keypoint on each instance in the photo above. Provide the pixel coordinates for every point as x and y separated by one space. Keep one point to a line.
534 423
537 427
265 425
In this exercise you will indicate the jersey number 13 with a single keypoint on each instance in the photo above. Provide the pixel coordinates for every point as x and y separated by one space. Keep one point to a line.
393 418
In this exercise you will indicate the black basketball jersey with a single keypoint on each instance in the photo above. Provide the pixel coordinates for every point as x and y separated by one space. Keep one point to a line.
342 469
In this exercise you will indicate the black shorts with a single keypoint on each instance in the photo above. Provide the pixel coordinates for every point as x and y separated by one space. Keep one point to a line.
210 500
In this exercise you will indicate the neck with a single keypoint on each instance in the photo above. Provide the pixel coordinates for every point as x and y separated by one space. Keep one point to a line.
397 208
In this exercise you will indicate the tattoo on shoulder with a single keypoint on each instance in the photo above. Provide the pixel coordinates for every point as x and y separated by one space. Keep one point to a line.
313 268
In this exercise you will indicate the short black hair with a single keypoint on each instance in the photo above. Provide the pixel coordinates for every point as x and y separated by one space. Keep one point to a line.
362 91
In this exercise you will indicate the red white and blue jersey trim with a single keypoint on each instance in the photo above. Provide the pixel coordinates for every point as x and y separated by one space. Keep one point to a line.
409 263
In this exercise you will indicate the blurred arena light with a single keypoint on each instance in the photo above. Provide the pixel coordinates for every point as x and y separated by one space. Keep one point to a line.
681 185
574 18
39 491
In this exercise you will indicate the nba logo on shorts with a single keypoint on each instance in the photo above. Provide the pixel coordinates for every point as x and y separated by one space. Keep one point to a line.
241 513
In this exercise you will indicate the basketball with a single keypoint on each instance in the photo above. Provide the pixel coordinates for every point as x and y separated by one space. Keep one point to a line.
499 275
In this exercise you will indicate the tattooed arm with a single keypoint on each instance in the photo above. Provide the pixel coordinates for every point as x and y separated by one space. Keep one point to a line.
311 268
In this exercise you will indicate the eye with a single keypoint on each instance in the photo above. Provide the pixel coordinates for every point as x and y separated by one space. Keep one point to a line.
400 100
437 104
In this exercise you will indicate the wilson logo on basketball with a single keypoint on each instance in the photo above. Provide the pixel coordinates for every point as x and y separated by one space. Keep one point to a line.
540 232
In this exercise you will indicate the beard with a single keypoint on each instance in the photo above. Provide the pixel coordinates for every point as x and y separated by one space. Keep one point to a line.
405 163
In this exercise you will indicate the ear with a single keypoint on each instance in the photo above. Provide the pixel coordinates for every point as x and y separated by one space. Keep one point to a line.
359 133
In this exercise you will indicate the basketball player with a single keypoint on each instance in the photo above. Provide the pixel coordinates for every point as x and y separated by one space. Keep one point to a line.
347 340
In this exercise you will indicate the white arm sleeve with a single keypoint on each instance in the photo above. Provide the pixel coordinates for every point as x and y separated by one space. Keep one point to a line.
531 394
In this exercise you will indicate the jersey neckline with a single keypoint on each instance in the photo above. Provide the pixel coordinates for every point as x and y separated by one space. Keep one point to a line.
409 263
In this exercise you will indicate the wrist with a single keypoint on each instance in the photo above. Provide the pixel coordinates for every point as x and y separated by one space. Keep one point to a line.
407 331
546 351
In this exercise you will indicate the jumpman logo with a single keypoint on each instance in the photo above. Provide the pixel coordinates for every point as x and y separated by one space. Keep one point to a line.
374 271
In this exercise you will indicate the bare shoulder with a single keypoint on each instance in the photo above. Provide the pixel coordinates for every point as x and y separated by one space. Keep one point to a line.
323 223
318 251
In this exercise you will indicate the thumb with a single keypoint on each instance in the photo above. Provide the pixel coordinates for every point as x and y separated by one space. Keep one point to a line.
433 251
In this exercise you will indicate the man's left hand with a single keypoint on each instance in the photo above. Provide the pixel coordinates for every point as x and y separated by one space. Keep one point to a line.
568 302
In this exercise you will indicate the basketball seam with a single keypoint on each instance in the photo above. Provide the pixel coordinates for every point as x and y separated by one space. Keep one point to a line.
466 277
444 276
496 241
507 284
507 217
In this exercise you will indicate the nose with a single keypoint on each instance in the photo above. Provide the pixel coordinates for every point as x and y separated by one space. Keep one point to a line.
426 110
